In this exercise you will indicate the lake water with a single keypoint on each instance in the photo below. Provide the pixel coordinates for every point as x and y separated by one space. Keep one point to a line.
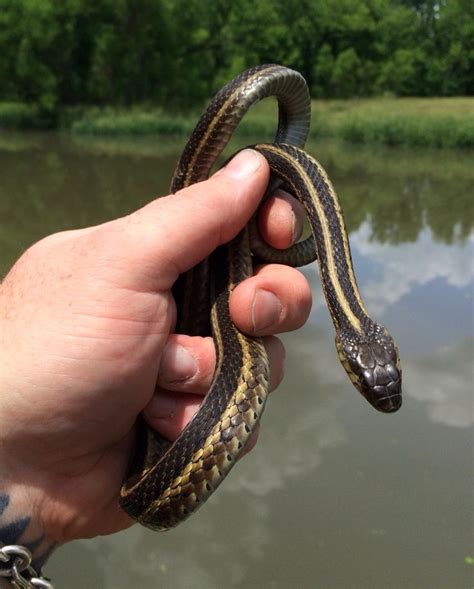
335 495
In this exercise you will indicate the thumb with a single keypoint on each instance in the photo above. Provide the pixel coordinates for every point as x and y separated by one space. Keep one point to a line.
172 234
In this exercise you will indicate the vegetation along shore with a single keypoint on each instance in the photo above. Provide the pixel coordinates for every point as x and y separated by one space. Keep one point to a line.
139 67
426 122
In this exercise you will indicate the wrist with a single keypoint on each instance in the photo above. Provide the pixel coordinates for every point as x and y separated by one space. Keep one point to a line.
20 525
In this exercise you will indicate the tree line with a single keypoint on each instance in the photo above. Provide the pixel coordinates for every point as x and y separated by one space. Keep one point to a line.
176 53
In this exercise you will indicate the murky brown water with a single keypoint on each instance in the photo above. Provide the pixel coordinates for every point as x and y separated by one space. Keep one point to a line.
335 495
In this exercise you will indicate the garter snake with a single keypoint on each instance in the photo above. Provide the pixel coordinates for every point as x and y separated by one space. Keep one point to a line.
168 481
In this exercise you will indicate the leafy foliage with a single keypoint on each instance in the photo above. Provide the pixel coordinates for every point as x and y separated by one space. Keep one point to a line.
174 53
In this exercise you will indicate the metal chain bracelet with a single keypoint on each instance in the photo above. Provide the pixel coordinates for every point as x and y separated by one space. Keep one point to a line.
15 566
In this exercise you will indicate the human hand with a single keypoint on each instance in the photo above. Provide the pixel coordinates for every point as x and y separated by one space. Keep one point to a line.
86 333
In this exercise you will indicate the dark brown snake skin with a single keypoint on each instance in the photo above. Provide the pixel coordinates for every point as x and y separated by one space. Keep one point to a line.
168 481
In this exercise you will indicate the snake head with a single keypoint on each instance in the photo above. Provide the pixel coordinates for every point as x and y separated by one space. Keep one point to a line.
372 363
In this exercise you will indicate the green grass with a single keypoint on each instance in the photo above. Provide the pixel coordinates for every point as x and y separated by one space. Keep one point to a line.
19 115
424 122
135 121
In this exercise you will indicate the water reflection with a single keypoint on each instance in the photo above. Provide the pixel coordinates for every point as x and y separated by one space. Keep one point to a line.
401 192
335 495
412 265
443 383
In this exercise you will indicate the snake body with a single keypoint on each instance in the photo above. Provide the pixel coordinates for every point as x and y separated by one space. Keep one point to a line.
168 481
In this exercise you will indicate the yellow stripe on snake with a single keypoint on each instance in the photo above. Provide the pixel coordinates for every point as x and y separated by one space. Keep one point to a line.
169 481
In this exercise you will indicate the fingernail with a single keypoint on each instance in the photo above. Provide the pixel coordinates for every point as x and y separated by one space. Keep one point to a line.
266 310
296 217
177 364
296 226
244 164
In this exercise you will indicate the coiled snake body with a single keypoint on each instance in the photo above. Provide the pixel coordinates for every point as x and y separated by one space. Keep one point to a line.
168 481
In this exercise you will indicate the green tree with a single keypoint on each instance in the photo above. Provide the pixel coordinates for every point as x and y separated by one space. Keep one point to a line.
346 73
400 73
177 52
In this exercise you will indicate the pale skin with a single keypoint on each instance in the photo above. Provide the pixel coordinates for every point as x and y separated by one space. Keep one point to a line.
87 343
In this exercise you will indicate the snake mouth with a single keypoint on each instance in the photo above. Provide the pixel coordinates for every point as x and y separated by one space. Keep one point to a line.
389 404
